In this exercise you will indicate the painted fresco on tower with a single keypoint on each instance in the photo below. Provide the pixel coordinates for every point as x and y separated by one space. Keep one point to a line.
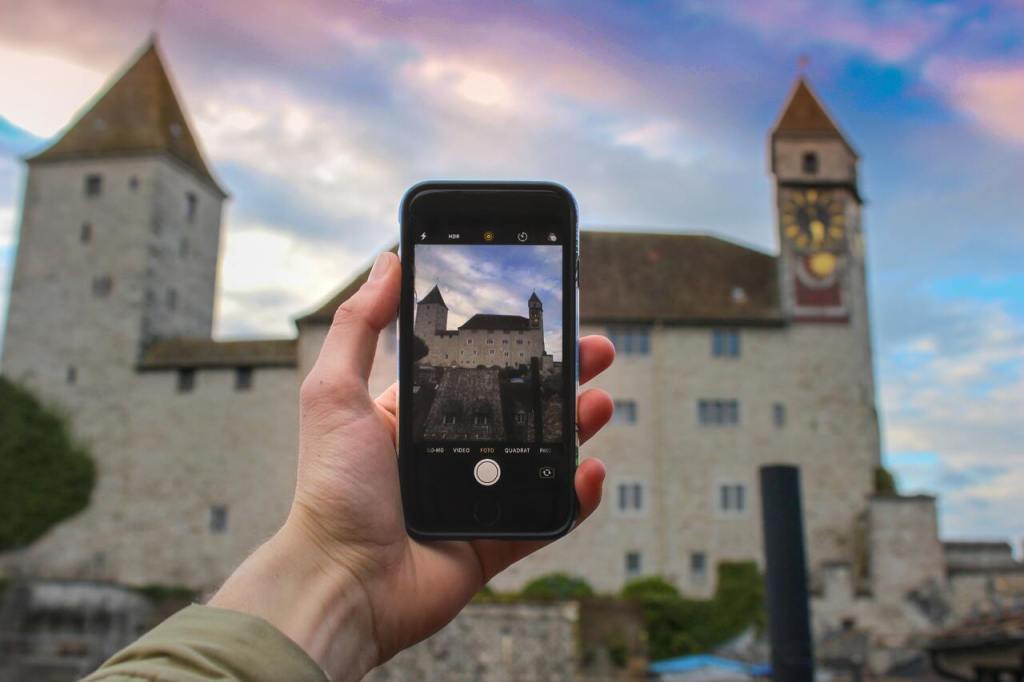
488 362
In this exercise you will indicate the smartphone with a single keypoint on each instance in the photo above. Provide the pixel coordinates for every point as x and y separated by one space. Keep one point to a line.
488 360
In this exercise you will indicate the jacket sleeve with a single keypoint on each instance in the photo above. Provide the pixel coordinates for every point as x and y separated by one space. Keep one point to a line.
202 643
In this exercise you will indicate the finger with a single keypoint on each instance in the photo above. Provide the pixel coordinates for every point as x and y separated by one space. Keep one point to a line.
497 555
593 408
596 354
388 400
351 341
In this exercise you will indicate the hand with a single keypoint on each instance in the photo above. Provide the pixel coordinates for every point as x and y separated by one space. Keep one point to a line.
342 577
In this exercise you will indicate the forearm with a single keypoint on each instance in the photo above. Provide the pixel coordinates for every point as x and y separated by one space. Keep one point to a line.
317 605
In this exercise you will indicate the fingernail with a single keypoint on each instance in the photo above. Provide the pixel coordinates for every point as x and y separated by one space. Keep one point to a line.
380 267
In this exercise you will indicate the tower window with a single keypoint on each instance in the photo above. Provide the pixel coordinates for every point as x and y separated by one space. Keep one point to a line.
779 415
634 564
625 412
725 343
243 378
218 518
191 204
93 185
732 498
101 286
72 374
186 380
85 234
172 298
809 162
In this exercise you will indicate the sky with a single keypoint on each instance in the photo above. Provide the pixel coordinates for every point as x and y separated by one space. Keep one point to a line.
316 115
495 279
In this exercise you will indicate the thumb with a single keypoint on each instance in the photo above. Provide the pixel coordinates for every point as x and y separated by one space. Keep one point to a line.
347 352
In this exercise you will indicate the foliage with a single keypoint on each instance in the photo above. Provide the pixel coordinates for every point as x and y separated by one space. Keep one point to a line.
885 482
677 626
44 476
557 586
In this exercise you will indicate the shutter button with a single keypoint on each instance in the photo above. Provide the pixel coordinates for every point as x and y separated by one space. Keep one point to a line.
487 472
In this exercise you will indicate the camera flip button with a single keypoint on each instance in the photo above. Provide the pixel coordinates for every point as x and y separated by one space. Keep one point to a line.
487 472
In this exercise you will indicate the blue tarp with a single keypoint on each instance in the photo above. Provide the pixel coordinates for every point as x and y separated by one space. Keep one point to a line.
685 664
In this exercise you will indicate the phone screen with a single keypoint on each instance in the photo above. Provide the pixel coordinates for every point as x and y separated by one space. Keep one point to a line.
489 368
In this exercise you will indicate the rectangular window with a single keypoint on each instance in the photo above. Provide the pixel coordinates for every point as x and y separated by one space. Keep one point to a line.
732 498
72 374
625 412
779 415
449 419
630 497
243 378
520 417
101 286
186 380
93 185
218 518
85 235
698 567
191 203
725 343
634 564
172 299
718 412
631 340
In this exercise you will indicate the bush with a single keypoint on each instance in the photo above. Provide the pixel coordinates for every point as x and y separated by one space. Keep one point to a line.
557 586
677 626
885 482
44 476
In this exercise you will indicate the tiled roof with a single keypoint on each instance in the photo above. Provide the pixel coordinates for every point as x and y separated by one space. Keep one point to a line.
199 353
483 321
434 296
137 113
672 278
804 114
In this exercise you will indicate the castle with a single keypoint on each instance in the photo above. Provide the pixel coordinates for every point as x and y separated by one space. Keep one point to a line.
728 358
483 340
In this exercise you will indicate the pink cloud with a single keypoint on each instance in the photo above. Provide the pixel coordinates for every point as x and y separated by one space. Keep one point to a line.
989 93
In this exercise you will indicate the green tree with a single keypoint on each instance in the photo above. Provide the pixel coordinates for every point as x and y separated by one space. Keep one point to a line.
44 476
885 482
557 586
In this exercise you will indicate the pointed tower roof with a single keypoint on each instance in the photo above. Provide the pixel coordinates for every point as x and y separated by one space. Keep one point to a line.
534 298
434 297
804 114
137 112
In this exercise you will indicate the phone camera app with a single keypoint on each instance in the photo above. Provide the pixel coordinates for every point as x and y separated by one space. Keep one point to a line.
547 472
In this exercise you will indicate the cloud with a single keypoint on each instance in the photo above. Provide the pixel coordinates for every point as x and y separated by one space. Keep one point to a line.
990 93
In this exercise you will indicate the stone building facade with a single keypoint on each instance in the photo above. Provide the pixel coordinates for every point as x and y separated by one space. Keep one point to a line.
728 358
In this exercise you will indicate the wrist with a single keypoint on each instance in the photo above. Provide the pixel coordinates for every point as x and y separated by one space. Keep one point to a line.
310 599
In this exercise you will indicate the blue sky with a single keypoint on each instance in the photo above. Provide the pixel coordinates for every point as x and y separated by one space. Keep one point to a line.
495 279
317 115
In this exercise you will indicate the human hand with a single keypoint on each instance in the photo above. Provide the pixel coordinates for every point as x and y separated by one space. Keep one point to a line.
343 578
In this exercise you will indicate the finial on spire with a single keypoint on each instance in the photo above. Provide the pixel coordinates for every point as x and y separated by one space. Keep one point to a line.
158 15
802 62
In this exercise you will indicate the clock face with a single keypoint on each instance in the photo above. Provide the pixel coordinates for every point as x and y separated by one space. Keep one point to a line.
814 220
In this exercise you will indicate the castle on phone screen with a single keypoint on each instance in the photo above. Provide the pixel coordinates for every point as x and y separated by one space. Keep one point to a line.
729 357
489 379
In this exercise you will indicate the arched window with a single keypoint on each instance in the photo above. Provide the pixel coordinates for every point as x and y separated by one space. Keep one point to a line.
810 163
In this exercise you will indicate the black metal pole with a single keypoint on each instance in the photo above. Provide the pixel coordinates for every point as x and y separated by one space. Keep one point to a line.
789 621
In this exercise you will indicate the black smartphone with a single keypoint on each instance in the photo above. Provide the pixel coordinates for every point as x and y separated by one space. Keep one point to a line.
488 360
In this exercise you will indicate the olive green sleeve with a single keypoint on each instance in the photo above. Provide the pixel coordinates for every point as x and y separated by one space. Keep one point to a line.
202 643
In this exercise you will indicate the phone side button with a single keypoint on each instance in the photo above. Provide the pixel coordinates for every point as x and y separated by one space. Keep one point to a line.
486 512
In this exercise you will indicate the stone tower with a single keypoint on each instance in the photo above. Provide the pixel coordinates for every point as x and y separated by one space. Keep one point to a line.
536 312
431 315
119 240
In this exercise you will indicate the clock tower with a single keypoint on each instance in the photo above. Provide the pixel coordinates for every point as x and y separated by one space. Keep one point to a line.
818 204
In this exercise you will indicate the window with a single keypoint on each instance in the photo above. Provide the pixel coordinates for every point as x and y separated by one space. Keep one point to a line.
634 564
481 420
725 343
809 162
172 298
133 182
698 567
779 415
449 419
625 412
732 498
632 340
183 247
101 286
93 185
186 380
191 203
520 417
218 518
490 342
243 378
718 412
630 497
85 234
72 374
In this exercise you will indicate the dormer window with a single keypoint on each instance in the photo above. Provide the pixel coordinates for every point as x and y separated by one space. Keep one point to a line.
810 163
